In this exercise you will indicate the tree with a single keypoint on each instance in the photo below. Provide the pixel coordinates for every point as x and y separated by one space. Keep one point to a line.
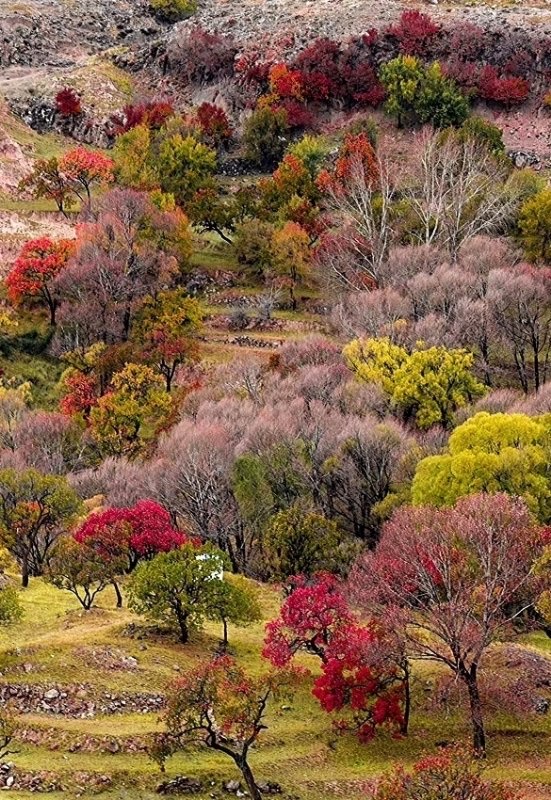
84 168
129 416
221 707
166 328
252 247
35 270
215 125
359 194
265 136
453 774
364 676
184 165
301 542
415 32
291 257
80 569
132 156
520 308
11 612
131 250
490 453
461 191
46 180
422 94
535 226
460 577
179 587
428 385
34 510
236 601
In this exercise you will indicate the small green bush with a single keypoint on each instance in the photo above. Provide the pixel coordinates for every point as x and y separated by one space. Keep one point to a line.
10 607
174 10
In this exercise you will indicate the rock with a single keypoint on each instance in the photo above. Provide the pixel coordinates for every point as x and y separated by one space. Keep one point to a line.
51 694
269 787
180 785
232 786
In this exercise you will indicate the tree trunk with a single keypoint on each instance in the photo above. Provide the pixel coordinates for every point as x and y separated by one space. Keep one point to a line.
182 624
407 699
24 573
479 735
249 779
118 593
225 634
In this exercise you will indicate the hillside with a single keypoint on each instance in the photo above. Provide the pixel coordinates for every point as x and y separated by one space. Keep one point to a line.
275 360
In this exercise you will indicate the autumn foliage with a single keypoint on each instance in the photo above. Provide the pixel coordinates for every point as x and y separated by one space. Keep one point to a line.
34 272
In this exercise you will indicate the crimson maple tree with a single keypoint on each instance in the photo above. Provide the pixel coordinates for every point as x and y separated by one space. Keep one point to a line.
35 269
362 677
130 534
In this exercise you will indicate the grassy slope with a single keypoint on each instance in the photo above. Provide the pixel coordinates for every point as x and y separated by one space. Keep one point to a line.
298 750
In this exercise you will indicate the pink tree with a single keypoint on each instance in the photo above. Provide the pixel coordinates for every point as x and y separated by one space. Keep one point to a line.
459 577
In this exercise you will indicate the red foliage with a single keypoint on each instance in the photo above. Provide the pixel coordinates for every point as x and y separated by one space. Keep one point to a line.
202 56
298 116
67 102
360 676
319 66
285 83
85 167
308 619
37 265
508 90
81 395
415 32
153 114
214 123
140 531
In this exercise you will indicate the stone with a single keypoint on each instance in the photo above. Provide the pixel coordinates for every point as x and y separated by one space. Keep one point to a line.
232 786
51 694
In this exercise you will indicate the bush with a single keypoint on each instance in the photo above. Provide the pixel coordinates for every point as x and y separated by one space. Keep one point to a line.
173 10
10 607
265 136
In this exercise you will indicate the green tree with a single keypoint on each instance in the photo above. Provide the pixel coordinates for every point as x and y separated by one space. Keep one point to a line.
252 247
178 588
483 131
236 601
428 385
130 415
301 542
491 453
166 329
265 136
184 166
535 226
132 156
34 510
81 569
418 94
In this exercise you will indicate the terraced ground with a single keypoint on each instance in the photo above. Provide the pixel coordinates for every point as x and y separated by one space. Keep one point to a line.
66 743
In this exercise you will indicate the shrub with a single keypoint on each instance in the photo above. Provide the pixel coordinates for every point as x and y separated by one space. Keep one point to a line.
265 136
173 10
415 32
508 90
202 56
10 607
67 102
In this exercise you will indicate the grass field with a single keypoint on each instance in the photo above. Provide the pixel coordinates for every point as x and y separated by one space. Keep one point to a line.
58 645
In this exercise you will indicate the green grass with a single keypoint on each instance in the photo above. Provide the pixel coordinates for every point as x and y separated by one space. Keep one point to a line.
299 749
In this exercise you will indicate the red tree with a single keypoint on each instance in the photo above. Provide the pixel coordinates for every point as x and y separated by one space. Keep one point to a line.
415 32
67 102
81 394
458 577
362 675
506 89
214 124
130 534
153 114
33 273
84 168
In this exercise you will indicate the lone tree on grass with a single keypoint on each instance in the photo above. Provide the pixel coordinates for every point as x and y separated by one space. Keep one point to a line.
221 707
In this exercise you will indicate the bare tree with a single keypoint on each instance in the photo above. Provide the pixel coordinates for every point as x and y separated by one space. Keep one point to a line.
520 304
362 212
460 191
